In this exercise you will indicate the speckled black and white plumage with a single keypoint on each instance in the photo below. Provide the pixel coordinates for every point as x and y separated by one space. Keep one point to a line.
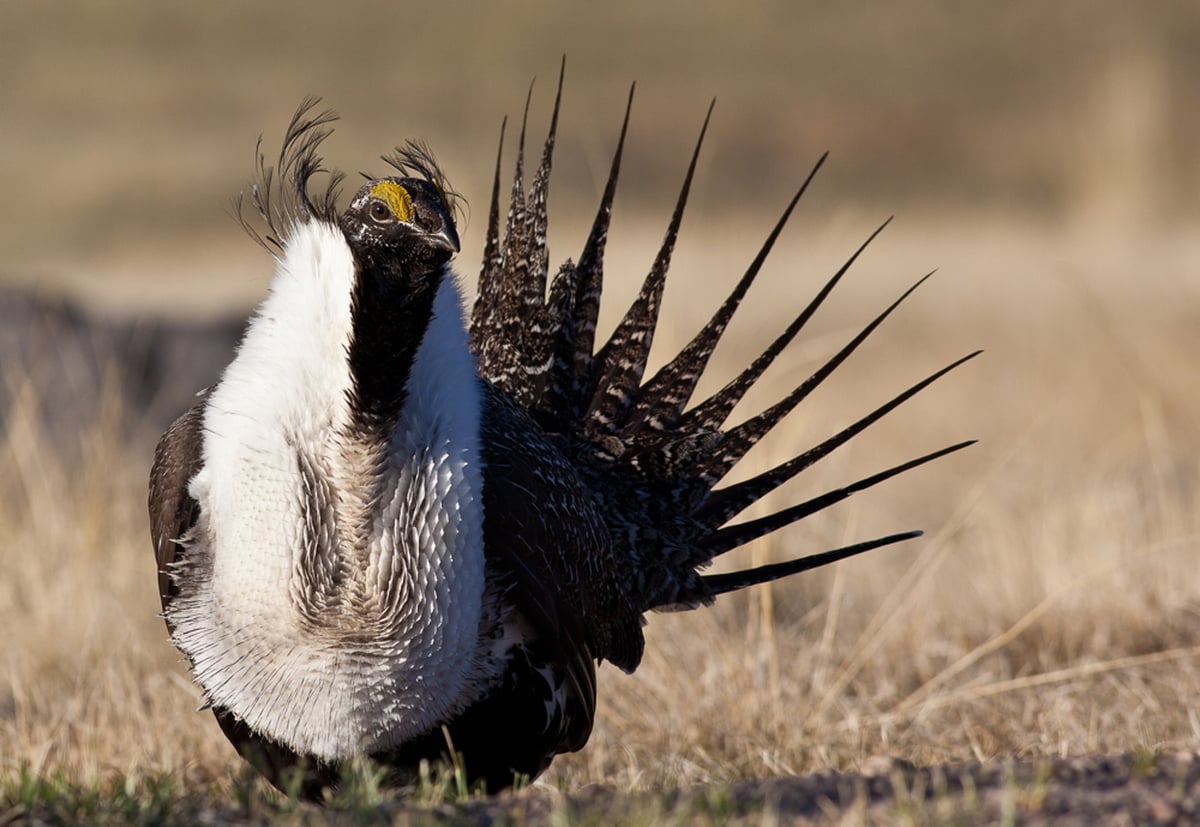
382 533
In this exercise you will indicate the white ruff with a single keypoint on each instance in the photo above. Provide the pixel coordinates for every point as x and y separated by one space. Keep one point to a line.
398 647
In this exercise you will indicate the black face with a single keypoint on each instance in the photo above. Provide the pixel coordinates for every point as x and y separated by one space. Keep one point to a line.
407 219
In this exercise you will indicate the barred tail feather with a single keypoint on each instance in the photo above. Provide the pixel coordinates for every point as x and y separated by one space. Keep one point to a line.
515 332
734 536
725 503
663 398
621 363
745 436
590 281
713 412
491 284
717 584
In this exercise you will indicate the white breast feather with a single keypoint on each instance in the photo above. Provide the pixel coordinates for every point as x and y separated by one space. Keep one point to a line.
333 695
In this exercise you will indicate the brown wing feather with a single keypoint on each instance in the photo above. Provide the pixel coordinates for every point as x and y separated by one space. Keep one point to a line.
173 512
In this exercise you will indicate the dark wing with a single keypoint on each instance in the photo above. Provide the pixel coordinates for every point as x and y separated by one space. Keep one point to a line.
539 522
545 512
173 512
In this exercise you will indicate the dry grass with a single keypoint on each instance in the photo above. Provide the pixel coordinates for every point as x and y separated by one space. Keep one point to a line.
1051 608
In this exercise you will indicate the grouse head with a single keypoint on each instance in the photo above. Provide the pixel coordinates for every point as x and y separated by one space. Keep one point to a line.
407 221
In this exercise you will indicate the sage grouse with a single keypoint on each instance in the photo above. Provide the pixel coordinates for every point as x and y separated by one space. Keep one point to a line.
386 532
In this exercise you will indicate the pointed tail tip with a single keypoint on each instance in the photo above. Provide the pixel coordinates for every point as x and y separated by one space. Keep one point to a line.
717 584
562 74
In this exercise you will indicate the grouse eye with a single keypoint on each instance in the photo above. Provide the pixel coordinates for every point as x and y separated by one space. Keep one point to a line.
380 212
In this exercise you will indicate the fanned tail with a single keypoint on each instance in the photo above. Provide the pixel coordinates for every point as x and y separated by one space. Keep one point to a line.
655 462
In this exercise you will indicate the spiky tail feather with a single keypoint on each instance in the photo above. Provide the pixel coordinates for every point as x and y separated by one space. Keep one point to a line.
655 461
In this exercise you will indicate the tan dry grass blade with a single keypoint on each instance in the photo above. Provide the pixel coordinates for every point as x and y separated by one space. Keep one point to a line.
1074 673
926 693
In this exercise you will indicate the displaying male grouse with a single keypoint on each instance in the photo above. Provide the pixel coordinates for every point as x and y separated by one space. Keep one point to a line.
380 534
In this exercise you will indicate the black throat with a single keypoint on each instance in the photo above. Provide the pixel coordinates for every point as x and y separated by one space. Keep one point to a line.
391 309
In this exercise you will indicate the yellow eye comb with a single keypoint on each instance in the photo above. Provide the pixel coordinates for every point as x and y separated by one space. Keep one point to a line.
396 197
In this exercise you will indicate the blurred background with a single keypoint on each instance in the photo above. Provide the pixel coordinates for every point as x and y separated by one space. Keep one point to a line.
128 127
1042 157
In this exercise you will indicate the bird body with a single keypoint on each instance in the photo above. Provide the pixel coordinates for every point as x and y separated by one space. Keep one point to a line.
281 449
384 532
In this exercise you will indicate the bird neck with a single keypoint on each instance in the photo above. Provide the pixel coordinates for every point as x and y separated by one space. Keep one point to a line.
392 312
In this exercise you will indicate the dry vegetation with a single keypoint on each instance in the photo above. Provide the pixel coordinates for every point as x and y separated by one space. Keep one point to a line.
1051 609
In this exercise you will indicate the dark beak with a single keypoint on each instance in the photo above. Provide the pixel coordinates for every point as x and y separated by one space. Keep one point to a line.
445 238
